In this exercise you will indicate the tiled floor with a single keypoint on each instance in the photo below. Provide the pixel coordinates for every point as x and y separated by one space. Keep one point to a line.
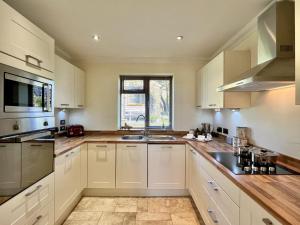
134 211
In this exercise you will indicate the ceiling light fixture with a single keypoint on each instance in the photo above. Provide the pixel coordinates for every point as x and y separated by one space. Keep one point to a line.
96 37
179 38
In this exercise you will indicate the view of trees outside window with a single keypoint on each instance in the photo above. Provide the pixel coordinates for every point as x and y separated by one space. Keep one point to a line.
133 105
147 96
159 108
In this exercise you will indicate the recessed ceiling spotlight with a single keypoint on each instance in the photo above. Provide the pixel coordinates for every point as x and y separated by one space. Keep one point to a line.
96 37
179 38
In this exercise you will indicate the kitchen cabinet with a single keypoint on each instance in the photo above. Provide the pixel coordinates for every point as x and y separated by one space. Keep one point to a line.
131 166
101 165
67 180
166 166
83 166
297 52
216 197
70 85
35 205
24 45
253 214
79 88
201 87
225 67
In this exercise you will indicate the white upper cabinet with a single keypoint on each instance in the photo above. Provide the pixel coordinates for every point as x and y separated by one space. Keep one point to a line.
79 88
297 30
225 67
24 45
65 83
70 85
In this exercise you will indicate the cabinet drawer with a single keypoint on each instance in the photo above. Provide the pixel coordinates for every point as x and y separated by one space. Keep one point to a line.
28 203
101 165
229 209
44 216
229 188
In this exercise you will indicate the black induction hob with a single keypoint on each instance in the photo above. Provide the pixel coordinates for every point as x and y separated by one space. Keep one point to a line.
231 162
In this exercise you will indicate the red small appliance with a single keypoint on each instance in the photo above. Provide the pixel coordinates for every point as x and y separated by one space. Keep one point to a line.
75 130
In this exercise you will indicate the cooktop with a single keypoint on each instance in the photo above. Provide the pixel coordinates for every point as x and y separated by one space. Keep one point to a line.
233 163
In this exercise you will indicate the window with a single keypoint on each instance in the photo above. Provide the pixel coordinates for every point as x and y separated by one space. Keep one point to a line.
146 101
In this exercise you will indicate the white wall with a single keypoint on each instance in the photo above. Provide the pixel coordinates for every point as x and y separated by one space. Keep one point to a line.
102 92
273 117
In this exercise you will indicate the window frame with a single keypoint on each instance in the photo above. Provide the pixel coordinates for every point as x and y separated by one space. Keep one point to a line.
146 80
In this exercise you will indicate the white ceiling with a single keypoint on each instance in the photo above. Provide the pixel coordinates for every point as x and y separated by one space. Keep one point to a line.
140 28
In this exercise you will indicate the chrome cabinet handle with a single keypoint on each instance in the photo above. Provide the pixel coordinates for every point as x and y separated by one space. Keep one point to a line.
131 146
192 151
213 185
3 146
212 104
213 216
169 147
36 189
36 145
32 57
37 219
80 105
64 104
101 146
267 221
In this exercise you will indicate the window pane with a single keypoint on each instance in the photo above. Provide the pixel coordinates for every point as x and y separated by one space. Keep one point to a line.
132 106
133 85
159 107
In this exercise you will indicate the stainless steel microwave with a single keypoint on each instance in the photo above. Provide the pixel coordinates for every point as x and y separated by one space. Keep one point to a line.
24 94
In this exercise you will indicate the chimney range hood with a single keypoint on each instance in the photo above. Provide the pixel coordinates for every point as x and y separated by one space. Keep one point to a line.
276 52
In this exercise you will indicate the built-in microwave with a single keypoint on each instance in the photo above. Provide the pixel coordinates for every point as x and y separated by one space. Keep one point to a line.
24 94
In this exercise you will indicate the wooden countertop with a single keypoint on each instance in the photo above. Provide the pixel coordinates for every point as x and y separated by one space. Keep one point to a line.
278 194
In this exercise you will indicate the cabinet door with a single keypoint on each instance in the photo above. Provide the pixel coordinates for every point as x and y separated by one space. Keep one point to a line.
253 214
79 88
65 84
25 41
67 180
131 166
214 76
101 165
166 166
297 50
83 166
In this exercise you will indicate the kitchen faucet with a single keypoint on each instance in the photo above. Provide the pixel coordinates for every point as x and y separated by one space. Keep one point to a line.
146 130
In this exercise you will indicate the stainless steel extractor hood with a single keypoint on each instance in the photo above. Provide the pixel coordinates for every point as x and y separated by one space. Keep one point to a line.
276 52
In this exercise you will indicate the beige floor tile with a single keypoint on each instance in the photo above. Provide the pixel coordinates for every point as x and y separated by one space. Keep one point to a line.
186 218
153 216
129 219
74 222
112 218
142 205
89 216
126 205
143 222
96 204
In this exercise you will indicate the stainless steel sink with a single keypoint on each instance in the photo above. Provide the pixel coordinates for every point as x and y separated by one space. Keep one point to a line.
133 137
162 137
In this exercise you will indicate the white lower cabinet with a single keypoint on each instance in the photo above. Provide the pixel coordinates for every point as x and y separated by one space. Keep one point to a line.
166 166
101 165
214 204
131 166
253 214
35 205
83 166
67 180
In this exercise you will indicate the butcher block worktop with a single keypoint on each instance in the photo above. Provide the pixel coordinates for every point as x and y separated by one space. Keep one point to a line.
278 194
